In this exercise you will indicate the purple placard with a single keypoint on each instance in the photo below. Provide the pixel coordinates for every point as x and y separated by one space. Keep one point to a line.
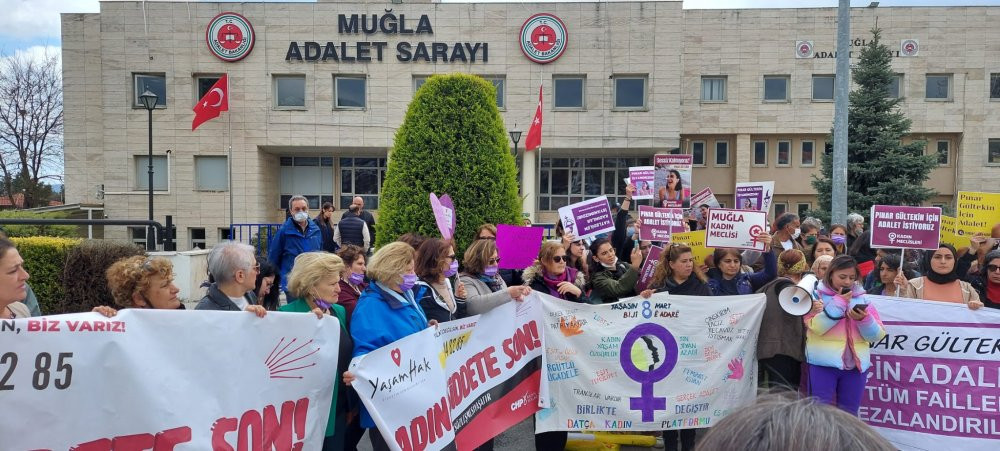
905 227
588 218
649 267
659 223
444 215
518 247
643 177
754 195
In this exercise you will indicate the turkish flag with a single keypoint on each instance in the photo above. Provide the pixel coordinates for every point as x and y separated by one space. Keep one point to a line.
534 139
216 101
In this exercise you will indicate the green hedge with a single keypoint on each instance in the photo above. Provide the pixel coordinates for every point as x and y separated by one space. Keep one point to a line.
32 230
452 141
44 259
84 278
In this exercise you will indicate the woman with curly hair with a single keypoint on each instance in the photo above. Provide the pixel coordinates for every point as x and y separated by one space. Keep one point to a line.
144 282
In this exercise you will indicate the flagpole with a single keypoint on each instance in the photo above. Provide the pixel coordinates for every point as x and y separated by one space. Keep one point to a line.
229 161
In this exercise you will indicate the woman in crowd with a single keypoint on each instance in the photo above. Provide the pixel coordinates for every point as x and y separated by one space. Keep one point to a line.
823 246
144 282
863 252
435 264
838 234
888 268
612 278
987 280
14 285
577 255
486 231
264 287
792 265
673 191
821 265
727 278
314 285
326 227
413 239
510 277
838 337
385 313
551 275
484 286
352 284
808 235
941 282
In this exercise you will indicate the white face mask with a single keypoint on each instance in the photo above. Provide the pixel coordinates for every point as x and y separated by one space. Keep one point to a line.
796 233
300 216
612 265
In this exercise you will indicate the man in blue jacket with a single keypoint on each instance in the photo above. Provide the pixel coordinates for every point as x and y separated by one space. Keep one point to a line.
297 235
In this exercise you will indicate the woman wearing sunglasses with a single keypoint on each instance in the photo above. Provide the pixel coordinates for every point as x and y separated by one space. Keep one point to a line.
552 276
484 286
987 282
436 263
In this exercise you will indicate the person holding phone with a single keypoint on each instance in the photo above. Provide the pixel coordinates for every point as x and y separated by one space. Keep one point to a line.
838 337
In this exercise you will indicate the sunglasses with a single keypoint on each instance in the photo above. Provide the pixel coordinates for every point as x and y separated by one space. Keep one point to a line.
493 261
451 257
992 268
560 259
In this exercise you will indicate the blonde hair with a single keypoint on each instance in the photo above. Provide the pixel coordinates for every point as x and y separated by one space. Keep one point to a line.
820 260
477 256
389 263
548 251
132 275
310 268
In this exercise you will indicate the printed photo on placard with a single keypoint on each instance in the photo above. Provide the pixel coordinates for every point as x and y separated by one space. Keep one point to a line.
672 180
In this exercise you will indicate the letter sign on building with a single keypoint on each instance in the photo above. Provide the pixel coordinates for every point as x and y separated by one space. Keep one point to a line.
229 37
543 38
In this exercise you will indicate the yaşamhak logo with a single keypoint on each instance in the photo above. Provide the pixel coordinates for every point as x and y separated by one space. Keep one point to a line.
230 36
543 38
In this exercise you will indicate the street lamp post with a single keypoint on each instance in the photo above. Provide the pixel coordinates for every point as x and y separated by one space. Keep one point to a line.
515 135
149 99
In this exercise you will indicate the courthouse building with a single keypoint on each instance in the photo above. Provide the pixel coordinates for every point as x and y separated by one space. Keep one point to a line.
318 90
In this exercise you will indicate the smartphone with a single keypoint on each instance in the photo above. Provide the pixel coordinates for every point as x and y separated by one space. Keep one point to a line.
845 290
860 307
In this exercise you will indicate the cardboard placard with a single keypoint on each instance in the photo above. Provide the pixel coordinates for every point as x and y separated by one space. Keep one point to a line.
736 229
905 227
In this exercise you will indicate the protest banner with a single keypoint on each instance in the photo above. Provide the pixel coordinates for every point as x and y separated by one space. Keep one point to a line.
156 379
703 197
459 385
668 362
444 215
672 180
735 228
905 227
977 213
518 247
948 235
695 240
659 223
754 196
934 376
643 177
648 268
587 219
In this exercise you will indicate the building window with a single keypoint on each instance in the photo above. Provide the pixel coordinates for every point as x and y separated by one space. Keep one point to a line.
938 87
943 152
569 92
780 208
994 152
138 236
225 233
311 177
896 87
155 83
418 81
361 177
760 153
994 86
713 89
630 92
211 173
802 208
776 88
196 238
784 153
350 92
500 83
290 91
823 87
204 83
565 181
698 153
807 154
160 169
722 153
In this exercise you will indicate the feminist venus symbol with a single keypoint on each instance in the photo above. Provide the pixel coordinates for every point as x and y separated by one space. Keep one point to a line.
647 402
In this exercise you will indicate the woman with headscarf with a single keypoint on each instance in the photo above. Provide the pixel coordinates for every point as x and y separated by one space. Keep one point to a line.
941 282
792 264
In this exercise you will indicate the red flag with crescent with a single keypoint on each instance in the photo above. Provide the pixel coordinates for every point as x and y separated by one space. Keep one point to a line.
534 139
215 101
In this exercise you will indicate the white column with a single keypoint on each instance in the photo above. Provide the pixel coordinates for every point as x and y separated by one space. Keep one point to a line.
529 185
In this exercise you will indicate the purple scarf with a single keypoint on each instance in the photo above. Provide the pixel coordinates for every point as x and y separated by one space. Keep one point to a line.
552 282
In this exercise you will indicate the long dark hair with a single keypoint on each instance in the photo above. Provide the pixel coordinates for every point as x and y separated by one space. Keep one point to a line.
270 301
596 266
679 186
842 261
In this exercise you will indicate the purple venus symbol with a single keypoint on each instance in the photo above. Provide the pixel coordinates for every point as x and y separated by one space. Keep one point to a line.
647 402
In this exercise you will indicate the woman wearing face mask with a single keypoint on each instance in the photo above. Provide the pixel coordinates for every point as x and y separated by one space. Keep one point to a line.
727 278
838 337
552 276
612 278
987 280
941 282
808 235
352 282
823 246
386 312
435 264
486 289
838 234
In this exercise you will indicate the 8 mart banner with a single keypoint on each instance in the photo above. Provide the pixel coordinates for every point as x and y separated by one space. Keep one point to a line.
668 362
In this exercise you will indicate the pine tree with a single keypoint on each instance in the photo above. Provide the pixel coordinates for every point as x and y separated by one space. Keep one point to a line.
881 170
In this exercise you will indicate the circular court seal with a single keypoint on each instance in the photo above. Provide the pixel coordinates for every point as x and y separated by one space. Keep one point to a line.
229 36
543 38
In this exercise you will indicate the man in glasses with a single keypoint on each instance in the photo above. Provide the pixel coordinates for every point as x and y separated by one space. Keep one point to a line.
234 269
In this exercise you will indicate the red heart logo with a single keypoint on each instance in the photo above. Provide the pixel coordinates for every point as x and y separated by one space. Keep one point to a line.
396 356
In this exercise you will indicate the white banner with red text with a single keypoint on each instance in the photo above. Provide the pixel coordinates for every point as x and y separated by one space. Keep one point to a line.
161 379
459 385
668 362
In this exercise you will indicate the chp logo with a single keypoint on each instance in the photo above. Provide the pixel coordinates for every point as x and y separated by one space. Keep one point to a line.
909 47
230 37
803 49
543 38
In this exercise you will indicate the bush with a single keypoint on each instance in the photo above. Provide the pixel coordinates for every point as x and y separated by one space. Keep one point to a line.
44 259
33 230
84 280
452 141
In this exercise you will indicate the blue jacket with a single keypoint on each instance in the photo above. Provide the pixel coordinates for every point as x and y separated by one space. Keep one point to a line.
382 317
288 242
746 283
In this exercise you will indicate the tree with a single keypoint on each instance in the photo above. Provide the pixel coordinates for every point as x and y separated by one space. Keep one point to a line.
452 141
881 170
31 126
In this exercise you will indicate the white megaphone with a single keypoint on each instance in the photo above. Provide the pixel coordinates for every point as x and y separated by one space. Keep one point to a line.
797 299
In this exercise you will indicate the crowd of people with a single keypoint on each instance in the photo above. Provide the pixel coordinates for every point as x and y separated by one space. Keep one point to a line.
417 282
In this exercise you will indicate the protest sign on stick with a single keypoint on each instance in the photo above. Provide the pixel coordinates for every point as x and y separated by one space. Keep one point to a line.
648 268
587 219
444 215
905 227
659 223
518 247
735 228
703 197
672 180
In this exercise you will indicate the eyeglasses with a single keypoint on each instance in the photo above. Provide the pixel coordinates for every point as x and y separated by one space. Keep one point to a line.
451 257
560 259
493 261
992 268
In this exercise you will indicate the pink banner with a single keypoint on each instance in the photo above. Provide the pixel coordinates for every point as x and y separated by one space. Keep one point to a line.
518 246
